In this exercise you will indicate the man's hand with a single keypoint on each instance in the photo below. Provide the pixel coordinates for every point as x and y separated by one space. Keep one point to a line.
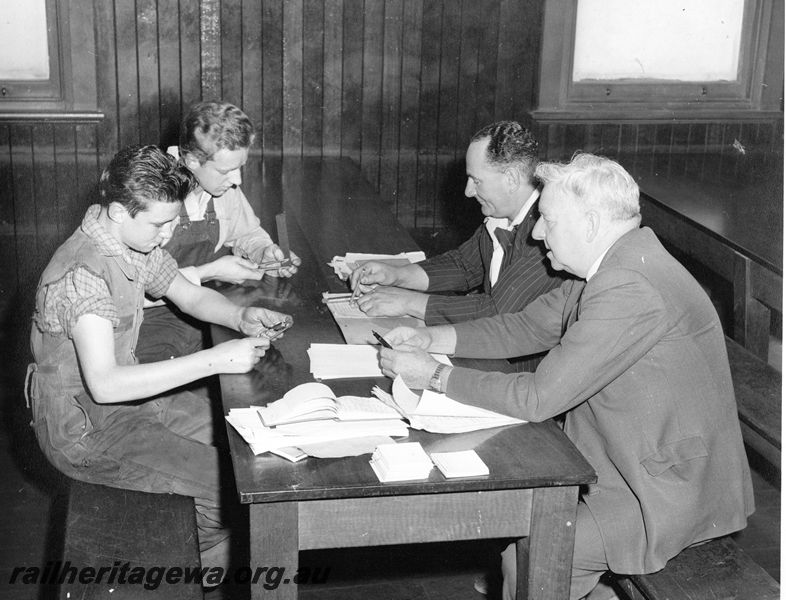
273 253
417 337
415 366
232 269
385 301
260 322
367 276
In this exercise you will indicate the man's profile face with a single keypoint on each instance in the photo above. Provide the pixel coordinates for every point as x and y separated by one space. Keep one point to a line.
221 172
150 227
562 227
488 184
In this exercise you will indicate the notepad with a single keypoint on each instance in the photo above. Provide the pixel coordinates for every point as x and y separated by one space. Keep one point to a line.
463 463
401 462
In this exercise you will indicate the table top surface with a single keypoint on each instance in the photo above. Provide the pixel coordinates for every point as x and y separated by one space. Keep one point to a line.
742 207
331 210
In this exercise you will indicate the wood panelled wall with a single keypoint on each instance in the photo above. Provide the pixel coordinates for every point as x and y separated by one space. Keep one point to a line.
397 85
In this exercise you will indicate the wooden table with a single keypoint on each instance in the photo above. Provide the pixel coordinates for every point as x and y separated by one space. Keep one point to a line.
535 471
732 224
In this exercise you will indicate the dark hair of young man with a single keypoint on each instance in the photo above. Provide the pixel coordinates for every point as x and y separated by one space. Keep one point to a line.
137 175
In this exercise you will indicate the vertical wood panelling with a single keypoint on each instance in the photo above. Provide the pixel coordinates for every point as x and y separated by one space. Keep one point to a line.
313 74
371 94
106 74
148 65
169 72
190 64
332 114
428 113
391 106
25 226
210 47
471 37
272 83
410 101
352 78
8 257
231 36
487 30
128 101
251 33
292 42
44 198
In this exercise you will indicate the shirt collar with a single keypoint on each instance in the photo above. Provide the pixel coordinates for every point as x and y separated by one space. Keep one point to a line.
596 265
493 223
129 260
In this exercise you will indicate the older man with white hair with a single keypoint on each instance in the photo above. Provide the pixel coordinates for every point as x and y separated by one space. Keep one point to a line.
637 365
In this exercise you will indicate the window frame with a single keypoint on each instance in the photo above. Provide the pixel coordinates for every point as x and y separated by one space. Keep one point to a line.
561 98
49 93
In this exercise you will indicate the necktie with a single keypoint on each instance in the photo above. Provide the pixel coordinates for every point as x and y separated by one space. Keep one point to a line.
506 239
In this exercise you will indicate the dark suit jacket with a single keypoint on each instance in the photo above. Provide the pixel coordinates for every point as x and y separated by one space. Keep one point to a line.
638 364
466 268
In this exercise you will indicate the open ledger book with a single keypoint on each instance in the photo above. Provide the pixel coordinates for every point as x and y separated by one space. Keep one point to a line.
438 413
315 401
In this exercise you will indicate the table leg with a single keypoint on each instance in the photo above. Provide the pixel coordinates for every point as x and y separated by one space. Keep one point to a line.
544 558
274 550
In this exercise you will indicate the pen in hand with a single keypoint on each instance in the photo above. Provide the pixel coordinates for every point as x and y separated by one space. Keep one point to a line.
381 340
356 292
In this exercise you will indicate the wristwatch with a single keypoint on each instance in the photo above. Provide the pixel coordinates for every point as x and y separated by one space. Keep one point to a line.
435 383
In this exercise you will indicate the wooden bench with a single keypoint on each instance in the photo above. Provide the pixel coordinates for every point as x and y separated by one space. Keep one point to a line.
716 570
757 387
110 528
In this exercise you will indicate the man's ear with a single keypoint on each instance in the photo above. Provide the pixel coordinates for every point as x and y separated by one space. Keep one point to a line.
116 212
512 178
191 162
593 225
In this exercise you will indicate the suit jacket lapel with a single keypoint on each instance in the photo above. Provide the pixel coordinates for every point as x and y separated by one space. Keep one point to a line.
571 312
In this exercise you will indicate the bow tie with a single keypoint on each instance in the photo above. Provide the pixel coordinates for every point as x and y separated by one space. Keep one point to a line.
505 237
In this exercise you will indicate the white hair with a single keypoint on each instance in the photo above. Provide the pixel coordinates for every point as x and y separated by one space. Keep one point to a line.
596 182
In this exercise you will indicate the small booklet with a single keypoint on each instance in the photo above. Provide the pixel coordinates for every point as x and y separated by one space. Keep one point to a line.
315 401
401 462
462 463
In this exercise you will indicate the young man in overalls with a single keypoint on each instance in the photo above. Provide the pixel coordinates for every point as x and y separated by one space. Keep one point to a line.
99 416
218 236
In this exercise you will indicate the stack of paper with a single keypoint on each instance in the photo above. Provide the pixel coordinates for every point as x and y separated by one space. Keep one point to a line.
339 361
401 462
463 463
296 435
347 361
439 414
344 265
